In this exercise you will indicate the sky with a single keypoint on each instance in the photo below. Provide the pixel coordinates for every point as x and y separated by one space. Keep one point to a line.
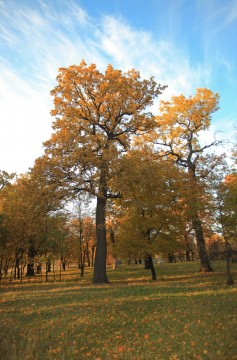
185 44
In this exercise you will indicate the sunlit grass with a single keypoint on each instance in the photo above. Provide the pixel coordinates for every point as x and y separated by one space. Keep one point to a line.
182 315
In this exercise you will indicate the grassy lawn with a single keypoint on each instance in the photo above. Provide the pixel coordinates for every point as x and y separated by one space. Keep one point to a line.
183 315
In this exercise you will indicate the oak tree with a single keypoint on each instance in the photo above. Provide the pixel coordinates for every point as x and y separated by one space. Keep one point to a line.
180 122
96 114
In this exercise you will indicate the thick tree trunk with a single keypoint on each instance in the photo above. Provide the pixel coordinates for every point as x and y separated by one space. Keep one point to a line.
147 264
30 269
204 260
101 246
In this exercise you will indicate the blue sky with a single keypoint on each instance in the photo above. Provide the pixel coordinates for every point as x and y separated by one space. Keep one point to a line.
184 44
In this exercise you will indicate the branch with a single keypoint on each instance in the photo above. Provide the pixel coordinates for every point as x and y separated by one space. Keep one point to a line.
114 196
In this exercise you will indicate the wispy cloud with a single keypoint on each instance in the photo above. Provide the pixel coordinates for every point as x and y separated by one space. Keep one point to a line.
127 47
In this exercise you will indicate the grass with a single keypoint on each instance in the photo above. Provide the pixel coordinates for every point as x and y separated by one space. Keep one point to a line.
183 315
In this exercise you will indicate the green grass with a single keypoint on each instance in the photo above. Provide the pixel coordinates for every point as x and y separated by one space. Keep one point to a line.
183 315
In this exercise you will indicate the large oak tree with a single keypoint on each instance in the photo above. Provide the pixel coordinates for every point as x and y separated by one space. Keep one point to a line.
96 116
180 123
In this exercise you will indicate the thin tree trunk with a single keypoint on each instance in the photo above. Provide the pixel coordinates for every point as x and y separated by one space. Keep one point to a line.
88 255
115 263
93 255
17 268
101 246
31 257
48 266
230 280
60 269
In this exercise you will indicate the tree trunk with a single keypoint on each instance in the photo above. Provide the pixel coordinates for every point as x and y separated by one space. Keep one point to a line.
93 255
101 246
30 269
38 269
31 258
230 280
147 264
204 260
115 263
196 222
150 266
17 274
48 266
187 255
88 255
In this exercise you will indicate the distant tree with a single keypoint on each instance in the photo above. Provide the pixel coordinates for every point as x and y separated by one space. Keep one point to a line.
5 178
97 114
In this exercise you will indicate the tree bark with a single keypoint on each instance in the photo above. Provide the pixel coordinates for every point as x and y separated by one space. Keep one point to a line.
101 246
204 260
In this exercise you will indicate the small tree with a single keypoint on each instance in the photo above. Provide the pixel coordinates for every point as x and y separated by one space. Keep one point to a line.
150 213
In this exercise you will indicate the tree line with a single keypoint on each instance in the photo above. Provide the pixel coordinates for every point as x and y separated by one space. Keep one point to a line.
158 187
